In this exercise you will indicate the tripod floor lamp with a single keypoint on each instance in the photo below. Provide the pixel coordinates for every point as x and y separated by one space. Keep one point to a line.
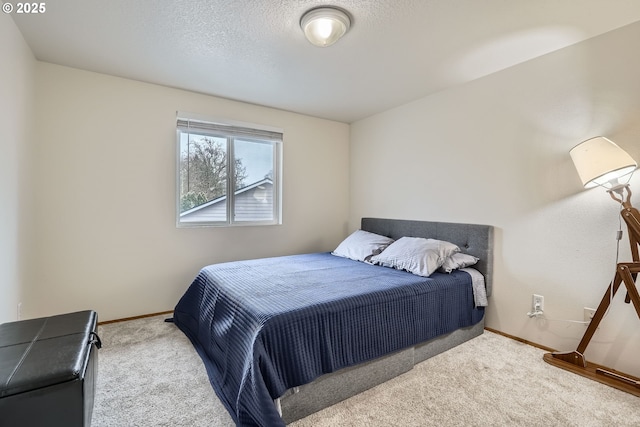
600 162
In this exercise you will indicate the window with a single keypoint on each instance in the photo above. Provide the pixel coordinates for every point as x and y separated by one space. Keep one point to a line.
228 173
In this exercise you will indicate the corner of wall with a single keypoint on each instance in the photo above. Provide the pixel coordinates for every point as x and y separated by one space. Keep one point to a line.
17 85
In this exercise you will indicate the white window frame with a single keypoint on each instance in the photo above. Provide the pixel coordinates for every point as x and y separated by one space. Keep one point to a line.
230 129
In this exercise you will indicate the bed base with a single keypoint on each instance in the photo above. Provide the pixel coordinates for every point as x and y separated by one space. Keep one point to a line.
335 387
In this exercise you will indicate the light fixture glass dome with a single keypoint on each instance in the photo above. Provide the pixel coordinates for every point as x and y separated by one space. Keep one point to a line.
325 25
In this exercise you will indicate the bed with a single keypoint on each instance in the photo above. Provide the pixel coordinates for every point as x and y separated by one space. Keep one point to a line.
284 337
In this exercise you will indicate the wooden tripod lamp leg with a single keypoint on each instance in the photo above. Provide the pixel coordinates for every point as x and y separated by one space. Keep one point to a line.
575 361
623 274
629 271
577 357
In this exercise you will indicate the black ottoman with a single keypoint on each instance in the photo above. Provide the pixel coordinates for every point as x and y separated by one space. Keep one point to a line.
48 370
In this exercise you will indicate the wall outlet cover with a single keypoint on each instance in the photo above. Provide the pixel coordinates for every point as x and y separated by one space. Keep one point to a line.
537 301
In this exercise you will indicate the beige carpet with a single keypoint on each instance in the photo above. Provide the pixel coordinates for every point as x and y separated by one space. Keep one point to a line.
150 375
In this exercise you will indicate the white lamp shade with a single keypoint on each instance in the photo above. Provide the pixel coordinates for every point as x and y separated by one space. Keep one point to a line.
325 25
600 161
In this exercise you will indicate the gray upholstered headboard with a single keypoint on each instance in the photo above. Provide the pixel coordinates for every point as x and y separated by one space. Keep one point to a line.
474 239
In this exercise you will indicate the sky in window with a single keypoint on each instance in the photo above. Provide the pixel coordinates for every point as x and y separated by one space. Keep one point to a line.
257 158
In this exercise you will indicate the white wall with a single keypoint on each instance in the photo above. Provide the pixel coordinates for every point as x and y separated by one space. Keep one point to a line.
495 151
105 216
17 81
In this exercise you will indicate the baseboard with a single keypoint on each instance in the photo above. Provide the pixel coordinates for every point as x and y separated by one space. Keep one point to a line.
522 340
143 316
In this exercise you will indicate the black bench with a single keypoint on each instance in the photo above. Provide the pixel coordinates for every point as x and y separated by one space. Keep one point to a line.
48 369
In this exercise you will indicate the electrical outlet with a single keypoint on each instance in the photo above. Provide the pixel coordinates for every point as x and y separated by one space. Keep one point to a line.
589 313
19 311
537 303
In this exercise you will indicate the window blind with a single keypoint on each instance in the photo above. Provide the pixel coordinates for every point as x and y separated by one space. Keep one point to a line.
189 125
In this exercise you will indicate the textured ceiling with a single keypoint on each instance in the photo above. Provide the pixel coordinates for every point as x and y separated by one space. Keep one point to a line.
254 51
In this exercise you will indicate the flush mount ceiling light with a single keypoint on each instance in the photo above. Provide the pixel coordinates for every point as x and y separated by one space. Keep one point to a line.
323 26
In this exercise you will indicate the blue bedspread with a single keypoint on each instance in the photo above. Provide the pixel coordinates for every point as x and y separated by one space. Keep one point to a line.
264 326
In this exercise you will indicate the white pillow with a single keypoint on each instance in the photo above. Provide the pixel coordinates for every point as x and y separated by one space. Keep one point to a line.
362 245
458 260
416 254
